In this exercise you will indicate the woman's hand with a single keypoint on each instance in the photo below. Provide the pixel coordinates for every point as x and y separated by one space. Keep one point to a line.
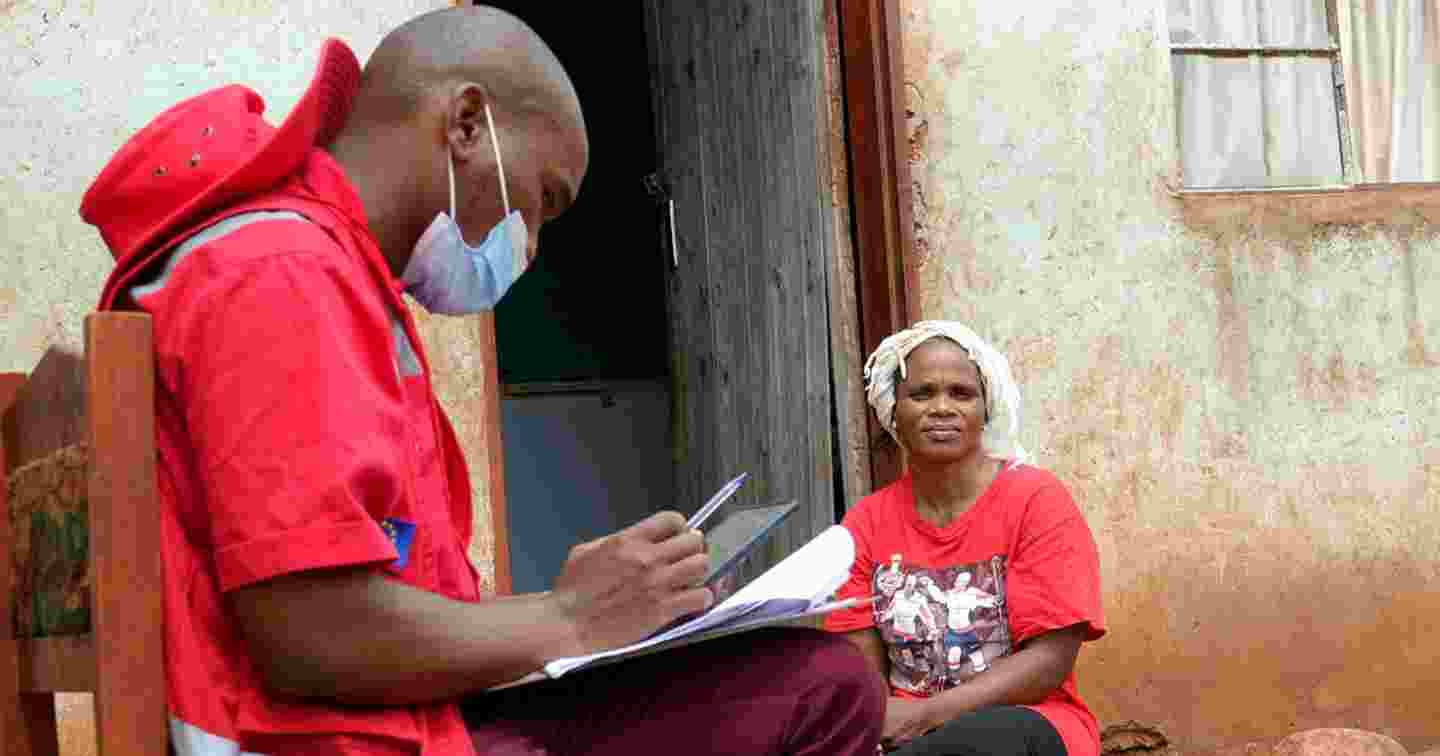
906 719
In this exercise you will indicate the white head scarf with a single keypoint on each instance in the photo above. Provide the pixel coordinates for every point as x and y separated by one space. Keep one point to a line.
1002 396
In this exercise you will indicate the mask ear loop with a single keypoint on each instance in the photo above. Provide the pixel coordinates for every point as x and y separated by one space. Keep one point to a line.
499 163
450 170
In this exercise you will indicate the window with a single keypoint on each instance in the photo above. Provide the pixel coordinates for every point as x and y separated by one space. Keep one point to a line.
1303 93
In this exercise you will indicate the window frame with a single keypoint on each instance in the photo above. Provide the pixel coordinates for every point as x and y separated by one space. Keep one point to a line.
1352 202
1334 51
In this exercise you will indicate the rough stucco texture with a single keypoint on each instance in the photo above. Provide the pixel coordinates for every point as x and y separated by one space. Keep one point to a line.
79 78
1247 413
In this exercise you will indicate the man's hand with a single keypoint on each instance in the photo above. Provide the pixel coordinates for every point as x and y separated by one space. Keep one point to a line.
906 719
620 588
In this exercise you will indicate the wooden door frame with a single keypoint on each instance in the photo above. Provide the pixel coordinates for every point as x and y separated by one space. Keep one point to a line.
882 221
880 190
490 424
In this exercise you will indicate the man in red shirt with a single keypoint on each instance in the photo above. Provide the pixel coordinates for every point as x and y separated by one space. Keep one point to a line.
316 506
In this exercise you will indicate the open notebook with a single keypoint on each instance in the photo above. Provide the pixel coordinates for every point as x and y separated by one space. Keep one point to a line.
800 586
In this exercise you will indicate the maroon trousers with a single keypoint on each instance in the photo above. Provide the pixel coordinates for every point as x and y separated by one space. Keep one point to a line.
789 691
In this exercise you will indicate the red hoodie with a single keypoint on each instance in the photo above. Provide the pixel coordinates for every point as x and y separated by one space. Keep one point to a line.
296 429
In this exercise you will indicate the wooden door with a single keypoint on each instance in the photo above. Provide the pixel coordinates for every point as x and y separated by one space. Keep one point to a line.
738 87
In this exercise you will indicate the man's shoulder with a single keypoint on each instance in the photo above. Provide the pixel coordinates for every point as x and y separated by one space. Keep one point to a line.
248 237
247 245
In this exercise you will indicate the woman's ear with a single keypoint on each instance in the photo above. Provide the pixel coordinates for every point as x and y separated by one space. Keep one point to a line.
466 129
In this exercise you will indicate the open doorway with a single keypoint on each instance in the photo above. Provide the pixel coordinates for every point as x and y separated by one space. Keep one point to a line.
678 331
581 340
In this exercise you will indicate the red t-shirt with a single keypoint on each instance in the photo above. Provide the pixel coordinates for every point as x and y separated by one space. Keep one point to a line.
1021 561
296 430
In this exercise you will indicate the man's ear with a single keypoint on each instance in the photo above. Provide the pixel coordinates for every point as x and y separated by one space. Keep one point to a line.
466 129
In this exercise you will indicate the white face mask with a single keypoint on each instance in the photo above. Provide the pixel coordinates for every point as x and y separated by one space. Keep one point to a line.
449 277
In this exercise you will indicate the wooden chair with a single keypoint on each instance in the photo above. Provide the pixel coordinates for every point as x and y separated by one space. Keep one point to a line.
109 447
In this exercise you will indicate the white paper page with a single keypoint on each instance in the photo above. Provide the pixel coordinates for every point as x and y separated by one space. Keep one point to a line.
769 612
713 618
764 618
798 583
811 574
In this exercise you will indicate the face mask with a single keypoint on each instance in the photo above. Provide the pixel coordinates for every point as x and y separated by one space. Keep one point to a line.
449 277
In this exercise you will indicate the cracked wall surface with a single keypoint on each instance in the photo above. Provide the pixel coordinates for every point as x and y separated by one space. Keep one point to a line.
80 77
1245 406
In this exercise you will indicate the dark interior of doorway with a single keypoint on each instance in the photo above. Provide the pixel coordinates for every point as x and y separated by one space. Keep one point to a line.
592 307
582 338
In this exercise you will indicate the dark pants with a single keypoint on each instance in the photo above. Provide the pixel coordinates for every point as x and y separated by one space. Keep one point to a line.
780 691
994 731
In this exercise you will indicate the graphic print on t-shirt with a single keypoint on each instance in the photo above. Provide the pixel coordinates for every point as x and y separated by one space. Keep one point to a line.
941 624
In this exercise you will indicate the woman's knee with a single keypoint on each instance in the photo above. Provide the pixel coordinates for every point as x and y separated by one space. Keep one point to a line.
831 664
838 697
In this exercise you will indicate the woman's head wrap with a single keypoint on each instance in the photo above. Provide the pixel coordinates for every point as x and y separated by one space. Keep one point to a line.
886 367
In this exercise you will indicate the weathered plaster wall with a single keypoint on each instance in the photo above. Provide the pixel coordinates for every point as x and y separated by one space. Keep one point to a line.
1247 410
79 77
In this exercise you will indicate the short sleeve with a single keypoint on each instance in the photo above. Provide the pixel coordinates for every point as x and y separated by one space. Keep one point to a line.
1054 572
293 410
859 584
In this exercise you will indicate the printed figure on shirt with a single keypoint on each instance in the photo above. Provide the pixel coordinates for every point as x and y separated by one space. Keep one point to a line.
908 613
961 639
943 625
889 579
915 666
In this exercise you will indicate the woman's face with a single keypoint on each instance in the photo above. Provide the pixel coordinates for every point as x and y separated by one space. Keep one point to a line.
940 406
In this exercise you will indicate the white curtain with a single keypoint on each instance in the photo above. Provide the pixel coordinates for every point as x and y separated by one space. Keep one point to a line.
1391 55
1255 121
1249 23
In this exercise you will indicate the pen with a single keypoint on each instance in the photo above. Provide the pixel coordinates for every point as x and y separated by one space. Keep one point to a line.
720 497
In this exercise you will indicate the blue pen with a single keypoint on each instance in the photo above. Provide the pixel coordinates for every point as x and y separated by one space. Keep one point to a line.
720 497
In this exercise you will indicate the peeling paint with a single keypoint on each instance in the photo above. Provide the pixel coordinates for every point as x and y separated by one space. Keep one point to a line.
83 76
1239 390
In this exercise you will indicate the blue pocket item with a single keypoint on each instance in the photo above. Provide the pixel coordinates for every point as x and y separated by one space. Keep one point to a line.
400 533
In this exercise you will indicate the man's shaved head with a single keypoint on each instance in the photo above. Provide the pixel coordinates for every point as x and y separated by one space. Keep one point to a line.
424 107
466 43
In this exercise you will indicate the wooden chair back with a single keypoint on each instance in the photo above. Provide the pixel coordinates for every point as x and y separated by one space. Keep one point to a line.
102 404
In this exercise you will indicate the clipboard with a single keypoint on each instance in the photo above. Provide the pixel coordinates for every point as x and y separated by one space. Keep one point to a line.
735 537
735 533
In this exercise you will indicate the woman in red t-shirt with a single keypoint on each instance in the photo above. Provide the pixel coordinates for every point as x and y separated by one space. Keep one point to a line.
985 576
